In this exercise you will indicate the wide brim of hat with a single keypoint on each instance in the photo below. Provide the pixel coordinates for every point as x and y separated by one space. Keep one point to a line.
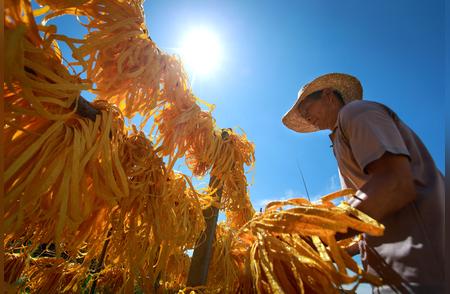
348 86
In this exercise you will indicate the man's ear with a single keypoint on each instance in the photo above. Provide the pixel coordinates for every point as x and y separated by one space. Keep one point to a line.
327 92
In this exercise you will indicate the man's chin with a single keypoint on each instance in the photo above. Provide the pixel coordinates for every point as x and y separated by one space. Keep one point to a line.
320 127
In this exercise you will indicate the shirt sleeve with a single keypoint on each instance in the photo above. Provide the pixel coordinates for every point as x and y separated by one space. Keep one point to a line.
372 133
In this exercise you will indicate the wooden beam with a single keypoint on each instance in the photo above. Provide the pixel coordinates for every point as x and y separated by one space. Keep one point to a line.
101 260
201 258
85 109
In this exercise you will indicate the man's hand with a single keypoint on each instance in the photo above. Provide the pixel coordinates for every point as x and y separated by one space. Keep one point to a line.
389 189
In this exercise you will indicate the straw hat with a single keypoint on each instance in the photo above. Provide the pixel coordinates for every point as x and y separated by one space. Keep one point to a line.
348 86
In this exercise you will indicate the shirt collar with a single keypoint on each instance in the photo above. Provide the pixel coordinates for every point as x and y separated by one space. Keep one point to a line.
335 127
333 133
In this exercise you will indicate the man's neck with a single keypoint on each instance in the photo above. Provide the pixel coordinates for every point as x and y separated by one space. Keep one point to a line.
334 126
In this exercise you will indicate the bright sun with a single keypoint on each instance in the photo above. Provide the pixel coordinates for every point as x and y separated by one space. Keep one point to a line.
201 51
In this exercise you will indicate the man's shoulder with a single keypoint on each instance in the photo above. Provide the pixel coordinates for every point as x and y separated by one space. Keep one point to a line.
356 108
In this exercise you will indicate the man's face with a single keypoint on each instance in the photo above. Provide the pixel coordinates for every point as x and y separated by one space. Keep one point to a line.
315 111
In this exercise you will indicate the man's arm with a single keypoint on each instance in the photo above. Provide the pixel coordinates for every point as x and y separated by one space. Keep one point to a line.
389 189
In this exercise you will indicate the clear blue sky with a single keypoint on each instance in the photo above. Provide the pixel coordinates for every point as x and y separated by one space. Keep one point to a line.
396 49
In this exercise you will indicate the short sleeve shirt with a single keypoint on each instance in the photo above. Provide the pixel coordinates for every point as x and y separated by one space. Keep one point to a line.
413 242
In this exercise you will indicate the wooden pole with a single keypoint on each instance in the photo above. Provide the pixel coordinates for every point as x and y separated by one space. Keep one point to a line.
201 258
101 260
85 109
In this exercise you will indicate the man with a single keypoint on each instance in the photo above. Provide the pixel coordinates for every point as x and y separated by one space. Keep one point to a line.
397 181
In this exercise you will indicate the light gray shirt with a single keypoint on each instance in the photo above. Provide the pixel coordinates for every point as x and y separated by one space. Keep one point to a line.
413 242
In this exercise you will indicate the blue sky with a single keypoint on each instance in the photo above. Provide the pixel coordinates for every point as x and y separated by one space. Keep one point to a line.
396 49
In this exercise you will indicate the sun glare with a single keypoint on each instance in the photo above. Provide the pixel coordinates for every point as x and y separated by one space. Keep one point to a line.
201 51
